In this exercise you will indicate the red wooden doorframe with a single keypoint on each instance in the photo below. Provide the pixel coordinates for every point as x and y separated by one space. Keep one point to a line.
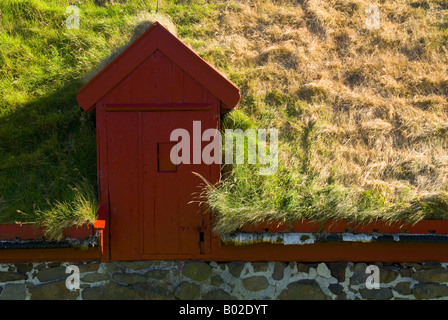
151 213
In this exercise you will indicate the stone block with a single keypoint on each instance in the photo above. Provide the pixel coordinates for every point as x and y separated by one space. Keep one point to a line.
6 276
24 267
52 274
13 291
218 294
187 291
197 270
430 291
235 268
403 288
337 270
303 290
279 270
55 290
436 275
255 283
335 288
323 271
376 294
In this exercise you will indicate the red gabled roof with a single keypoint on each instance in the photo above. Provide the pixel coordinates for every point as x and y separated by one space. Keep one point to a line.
158 38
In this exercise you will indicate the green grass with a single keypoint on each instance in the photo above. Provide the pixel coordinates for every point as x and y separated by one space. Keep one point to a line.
47 144
360 138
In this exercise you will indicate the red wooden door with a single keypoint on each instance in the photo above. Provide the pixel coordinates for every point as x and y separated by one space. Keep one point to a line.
151 214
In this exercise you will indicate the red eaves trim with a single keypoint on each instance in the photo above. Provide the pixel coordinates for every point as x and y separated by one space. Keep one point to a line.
158 38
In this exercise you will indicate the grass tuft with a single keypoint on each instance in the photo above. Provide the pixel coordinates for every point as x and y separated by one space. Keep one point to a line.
62 215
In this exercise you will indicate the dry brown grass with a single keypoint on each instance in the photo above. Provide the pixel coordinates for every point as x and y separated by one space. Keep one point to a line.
365 111
379 97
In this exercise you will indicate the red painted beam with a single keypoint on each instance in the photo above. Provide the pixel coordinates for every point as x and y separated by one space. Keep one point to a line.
41 255
320 252
341 251
126 107
31 232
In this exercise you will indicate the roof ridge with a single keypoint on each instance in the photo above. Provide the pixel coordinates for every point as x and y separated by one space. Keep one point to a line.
158 38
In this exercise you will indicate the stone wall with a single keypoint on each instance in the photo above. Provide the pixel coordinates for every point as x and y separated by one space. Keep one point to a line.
232 280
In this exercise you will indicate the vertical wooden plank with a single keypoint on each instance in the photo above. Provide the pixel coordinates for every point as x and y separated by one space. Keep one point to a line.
193 91
215 121
177 80
123 184
137 228
160 189
166 208
192 216
103 186
148 196
189 218
215 169
121 93
163 79
193 221
167 188
143 88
